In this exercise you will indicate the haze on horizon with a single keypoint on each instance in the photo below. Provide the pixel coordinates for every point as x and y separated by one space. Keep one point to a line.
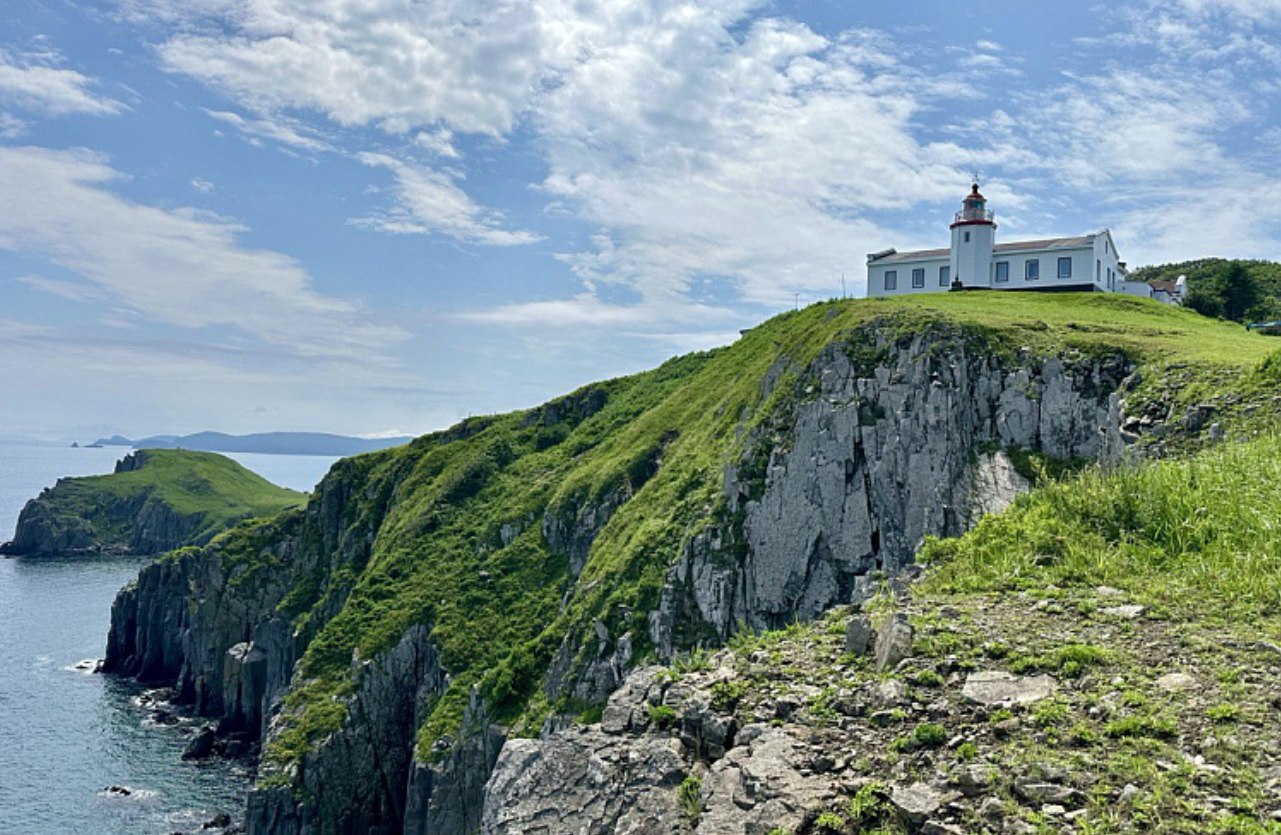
257 215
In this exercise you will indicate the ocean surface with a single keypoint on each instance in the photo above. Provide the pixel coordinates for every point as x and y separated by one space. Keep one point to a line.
67 735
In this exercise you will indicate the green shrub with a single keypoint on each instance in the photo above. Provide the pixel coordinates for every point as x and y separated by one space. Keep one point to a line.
1151 727
925 735
726 694
690 797
663 717
870 809
1082 734
1050 712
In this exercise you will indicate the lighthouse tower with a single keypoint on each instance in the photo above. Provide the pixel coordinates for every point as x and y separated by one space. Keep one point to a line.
973 236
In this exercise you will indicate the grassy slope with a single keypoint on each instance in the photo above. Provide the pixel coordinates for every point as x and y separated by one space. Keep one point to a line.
191 483
495 611
1197 538
1197 542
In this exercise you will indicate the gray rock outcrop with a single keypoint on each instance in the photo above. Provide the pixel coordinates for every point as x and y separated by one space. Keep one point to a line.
874 460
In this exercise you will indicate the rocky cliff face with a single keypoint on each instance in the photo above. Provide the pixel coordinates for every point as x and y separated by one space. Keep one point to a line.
881 440
870 462
135 524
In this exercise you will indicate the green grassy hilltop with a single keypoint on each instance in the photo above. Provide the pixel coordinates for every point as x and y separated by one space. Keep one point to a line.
457 513
154 501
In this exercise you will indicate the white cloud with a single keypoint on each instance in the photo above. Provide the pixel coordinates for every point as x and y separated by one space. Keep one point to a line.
1161 146
438 142
11 127
698 140
1136 124
1259 10
586 309
202 185
759 157
712 140
428 203
178 267
77 291
285 131
399 63
35 82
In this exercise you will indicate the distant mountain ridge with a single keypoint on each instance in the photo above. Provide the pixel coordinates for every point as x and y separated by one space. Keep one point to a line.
273 443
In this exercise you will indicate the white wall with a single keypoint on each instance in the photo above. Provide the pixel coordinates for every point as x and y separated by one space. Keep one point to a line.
1107 263
972 260
1082 272
876 277
1139 288
1081 260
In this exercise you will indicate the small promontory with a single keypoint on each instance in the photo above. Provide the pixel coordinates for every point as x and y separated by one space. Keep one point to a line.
156 500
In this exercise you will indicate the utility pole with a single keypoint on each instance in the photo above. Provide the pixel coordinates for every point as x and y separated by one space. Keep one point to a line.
798 300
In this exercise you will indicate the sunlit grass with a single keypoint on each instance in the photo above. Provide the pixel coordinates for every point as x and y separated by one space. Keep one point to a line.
1203 533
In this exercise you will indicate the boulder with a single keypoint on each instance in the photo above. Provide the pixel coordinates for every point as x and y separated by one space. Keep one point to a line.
1043 793
893 642
858 635
995 687
1173 682
918 801
201 745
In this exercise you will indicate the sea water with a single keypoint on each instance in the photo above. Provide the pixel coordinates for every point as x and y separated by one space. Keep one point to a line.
66 735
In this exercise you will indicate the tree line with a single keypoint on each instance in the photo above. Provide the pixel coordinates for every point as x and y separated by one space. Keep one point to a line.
1234 289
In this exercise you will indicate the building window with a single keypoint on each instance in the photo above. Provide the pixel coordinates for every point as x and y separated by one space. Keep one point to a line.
1065 268
918 277
1002 270
1032 269
967 237
945 276
1098 270
891 280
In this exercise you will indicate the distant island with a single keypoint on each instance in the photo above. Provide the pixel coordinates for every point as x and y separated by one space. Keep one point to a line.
272 443
156 500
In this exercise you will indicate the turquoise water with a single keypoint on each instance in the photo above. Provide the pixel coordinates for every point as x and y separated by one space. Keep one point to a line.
65 734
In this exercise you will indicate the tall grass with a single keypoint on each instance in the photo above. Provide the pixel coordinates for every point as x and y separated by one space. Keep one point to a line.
1203 533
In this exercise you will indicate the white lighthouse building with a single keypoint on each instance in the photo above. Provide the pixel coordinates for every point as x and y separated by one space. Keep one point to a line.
975 260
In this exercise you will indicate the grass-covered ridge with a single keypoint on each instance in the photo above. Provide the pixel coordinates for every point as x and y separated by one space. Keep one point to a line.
1202 533
209 492
455 517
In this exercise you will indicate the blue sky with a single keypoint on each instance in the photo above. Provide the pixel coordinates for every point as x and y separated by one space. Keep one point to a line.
377 216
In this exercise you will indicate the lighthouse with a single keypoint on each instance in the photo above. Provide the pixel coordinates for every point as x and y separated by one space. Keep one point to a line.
1084 263
973 238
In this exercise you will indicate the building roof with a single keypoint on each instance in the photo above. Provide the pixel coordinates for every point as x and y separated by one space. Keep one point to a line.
1046 243
918 255
1016 246
1167 286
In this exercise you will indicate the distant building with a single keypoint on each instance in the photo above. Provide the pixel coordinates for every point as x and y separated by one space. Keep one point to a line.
976 260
